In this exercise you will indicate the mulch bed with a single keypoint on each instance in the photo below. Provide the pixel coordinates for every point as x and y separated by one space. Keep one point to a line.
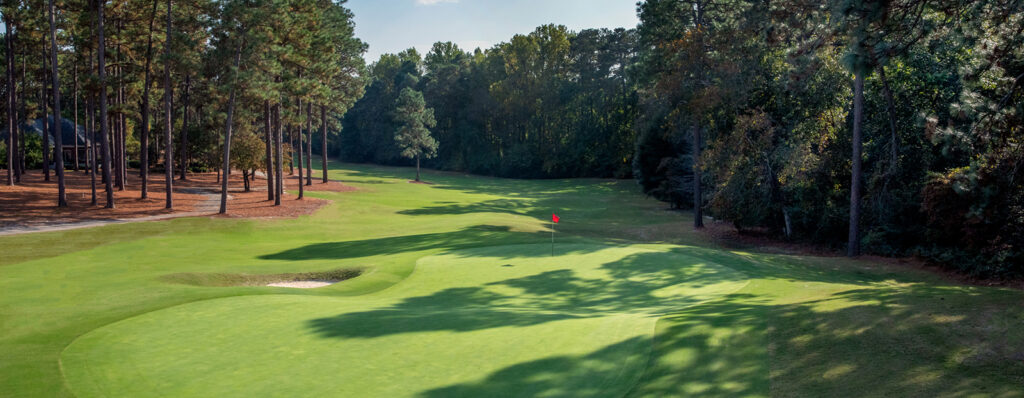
33 201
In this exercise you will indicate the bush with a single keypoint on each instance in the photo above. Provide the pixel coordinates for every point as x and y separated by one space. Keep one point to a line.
975 219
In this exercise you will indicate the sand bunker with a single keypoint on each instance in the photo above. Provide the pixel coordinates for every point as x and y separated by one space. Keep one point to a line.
302 284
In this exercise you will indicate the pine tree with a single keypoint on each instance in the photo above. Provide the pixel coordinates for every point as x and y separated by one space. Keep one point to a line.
415 120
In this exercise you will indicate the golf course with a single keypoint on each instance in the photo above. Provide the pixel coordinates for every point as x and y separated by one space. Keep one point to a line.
453 288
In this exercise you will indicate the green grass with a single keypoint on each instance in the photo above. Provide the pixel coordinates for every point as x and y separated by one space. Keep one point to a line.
459 296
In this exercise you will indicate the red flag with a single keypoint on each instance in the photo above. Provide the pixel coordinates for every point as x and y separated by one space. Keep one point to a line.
554 218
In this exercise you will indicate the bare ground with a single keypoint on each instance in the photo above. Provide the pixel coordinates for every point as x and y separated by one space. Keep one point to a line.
31 205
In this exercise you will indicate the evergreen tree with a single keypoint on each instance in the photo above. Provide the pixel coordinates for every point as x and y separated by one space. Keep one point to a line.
415 120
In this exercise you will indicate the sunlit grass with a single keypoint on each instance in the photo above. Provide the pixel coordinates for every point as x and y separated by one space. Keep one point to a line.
459 296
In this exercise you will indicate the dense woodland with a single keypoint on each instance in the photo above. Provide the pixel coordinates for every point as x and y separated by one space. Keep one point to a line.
551 103
753 112
888 127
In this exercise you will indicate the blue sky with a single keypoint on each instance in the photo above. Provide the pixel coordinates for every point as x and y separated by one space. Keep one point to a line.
391 26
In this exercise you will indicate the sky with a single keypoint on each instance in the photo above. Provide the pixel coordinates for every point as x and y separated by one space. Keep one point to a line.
390 26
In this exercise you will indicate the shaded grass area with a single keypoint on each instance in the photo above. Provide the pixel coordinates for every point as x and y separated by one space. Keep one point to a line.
800 326
454 321
224 280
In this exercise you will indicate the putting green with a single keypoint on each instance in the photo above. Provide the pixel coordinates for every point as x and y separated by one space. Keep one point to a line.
577 324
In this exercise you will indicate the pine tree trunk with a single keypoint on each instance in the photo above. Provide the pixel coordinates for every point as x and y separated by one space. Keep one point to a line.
168 138
58 139
118 145
24 114
9 81
123 119
122 99
184 129
417 168
269 149
115 144
144 107
853 246
299 152
90 107
698 212
309 143
43 104
279 166
75 95
104 122
227 136
323 136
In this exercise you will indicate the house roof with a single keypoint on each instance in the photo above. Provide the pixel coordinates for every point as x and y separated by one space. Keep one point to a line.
68 130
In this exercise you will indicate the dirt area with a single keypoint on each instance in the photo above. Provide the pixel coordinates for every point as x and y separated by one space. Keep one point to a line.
33 202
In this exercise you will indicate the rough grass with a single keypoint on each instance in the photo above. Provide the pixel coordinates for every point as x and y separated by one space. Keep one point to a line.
459 296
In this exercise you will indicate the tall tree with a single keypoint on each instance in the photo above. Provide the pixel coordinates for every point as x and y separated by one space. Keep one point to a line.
9 98
168 112
184 129
415 120
323 144
297 139
227 135
309 143
279 153
74 101
268 135
104 122
62 200
43 104
144 106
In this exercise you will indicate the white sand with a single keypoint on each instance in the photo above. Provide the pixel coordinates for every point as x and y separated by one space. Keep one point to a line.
303 284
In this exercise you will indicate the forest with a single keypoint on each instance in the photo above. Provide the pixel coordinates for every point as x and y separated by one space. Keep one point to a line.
873 127
890 128
173 87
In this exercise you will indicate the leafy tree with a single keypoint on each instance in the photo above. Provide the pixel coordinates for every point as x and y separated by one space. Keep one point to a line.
413 134
247 155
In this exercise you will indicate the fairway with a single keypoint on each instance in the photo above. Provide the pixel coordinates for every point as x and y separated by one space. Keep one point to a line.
460 295
458 318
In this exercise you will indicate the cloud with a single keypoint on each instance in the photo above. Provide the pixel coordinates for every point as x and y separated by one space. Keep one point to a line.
432 2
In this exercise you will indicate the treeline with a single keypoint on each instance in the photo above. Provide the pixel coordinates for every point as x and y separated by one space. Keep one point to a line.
887 127
172 86
893 126
552 103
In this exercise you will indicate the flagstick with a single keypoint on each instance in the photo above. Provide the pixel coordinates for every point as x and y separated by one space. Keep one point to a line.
552 238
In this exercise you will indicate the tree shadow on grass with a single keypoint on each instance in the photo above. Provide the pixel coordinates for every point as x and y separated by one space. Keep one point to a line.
456 309
597 374
887 341
647 283
539 298
508 206
468 237
918 340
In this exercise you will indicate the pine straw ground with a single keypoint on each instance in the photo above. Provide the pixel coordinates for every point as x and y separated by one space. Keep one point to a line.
33 201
